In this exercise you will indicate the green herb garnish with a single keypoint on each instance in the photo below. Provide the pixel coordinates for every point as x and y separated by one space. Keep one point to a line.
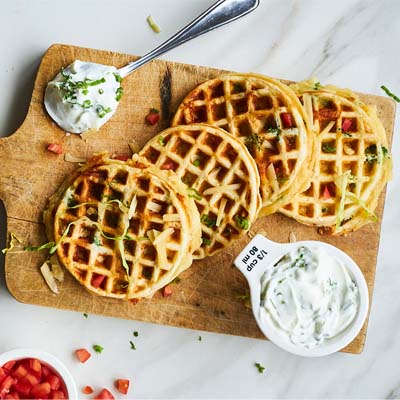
371 153
390 94
260 368
327 148
241 222
97 240
194 194
39 248
101 91
87 104
133 347
85 315
161 141
276 131
117 77
153 24
206 241
119 92
253 140
208 221
102 111
324 209
317 86
136 333
97 348
196 162
199 338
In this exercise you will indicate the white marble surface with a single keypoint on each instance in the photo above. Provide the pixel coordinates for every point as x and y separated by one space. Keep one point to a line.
349 43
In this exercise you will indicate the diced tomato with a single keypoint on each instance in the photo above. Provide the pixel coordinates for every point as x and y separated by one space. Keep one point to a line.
57 394
326 193
287 120
104 394
9 365
97 280
35 365
87 390
19 372
54 381
31 379
122 157
122 385
24 389
5 385
3 374
41 390
55 148
166 291
83 355
153 116
12 395
346 124
168 165
45 371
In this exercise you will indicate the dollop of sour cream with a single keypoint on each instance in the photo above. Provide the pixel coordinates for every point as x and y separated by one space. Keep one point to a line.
309 297
83 96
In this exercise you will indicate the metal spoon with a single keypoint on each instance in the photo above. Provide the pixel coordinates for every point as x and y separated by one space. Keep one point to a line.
75 113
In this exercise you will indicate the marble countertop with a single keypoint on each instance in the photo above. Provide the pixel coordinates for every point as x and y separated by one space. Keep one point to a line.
348 43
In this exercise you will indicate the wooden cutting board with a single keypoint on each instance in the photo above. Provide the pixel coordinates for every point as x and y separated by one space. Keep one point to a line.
210 294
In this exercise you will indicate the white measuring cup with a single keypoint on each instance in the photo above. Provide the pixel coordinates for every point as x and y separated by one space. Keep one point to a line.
261 254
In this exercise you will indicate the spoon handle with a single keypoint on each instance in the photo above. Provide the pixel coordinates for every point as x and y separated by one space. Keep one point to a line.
220 13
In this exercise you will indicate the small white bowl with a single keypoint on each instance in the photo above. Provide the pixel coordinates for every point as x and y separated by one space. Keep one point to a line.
253 268
47 358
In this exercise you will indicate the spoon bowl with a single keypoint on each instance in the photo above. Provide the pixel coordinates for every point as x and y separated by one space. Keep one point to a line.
262 254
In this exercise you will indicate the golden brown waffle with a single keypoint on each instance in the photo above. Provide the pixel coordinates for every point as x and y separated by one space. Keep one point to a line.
267 116
220 174
352 161
124 229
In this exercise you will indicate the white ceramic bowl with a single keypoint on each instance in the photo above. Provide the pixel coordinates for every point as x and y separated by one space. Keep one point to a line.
45 358
252 268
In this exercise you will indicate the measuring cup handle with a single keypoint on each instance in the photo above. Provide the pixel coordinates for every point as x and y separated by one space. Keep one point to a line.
256 256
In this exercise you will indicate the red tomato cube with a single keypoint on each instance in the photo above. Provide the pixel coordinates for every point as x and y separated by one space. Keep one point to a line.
104 394
82 354
87 390
19 372
31 379
41 390
55 148
54 381
167 291
35 365
9 365
97 280
346 124
122 385
122 157
23 389
45 371
287 120
326 193
153 117
3 374
57 394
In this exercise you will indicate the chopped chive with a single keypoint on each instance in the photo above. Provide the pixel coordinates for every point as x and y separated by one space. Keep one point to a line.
260 368
194 194
206 241
133 347
39 248
153 24
101 91
119 92
97 348
117 77
242 222
327 148
136 333
85 315
199 338
208 221
390 94
196 162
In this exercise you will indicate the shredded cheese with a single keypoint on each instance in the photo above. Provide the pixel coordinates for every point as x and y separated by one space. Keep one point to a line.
266 144
171 218
49 278
327 128
309 109
271 176
163 236
56 269
221 210
134 147
70 158
348 150
155 207
222 189
132 207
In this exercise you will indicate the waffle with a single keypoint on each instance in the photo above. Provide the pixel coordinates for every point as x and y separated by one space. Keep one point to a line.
352 161
268 118
220 174
123 229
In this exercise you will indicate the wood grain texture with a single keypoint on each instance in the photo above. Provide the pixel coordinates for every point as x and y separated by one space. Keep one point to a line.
208 296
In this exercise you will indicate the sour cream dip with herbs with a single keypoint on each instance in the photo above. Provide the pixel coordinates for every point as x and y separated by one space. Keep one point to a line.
83 96
309 297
